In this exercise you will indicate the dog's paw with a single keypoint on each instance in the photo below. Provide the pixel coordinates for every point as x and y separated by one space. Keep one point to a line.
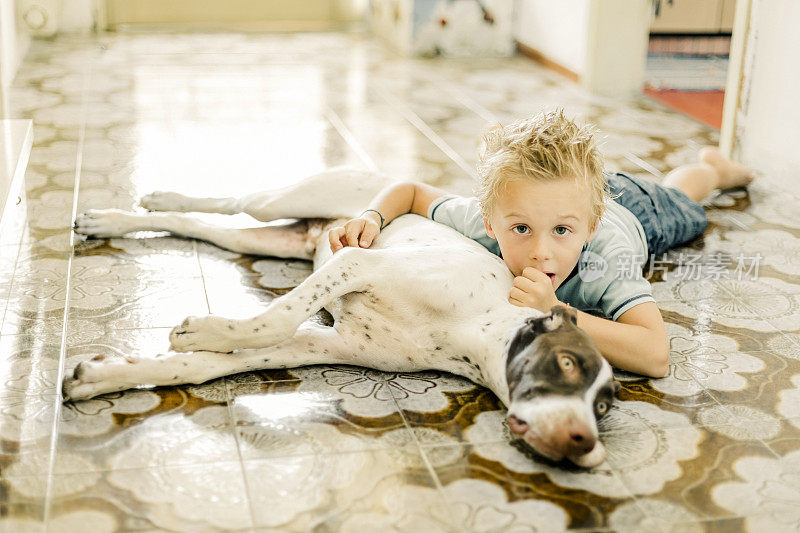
208 333
87 380
105 223
164 201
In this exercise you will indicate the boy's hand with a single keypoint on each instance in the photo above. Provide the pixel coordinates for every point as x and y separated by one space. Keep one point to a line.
533 289
359 231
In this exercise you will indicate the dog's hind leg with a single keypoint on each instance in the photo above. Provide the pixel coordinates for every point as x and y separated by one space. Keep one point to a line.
292 240
334 193
311 344
349 270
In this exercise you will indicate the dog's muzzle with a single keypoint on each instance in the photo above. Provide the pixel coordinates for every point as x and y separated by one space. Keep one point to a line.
562 434
569 438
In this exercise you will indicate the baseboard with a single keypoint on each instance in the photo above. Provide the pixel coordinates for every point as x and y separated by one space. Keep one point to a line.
546 61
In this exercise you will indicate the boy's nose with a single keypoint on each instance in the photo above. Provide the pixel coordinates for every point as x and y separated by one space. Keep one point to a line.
539 251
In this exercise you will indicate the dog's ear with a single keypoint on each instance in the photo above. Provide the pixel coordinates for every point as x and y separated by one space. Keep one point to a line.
566 312
545 323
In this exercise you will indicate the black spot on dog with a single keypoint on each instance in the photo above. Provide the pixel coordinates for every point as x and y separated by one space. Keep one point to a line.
471 294
493 275
361 347
317 285
230 326
327 289
288 307
325 351
185 363
367 335
438 348
335 283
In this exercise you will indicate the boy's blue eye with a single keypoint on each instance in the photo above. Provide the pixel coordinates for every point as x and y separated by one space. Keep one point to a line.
561 230
519 226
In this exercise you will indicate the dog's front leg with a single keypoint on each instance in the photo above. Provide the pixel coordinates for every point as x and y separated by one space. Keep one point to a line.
349 270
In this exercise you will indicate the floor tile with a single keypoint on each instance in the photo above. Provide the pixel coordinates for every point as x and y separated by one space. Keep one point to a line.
348 491
311 416
690 482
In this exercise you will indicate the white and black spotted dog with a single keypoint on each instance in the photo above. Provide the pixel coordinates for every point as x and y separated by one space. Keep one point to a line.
422 297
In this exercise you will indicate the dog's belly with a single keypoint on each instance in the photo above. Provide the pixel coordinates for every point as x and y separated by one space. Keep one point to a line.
435 282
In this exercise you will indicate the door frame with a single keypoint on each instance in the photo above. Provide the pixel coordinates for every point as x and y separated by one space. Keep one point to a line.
738 66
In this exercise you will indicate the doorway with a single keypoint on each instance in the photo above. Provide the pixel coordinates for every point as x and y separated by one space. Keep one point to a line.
688 56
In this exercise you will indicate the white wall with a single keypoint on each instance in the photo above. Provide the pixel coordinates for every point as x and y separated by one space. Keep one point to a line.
603 41
13 43
617 42
556 29
76 16
768 129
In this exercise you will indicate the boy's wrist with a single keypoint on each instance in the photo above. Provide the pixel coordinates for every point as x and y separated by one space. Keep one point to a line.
374 216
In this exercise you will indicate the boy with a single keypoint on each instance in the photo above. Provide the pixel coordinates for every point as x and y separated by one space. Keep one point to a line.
545 206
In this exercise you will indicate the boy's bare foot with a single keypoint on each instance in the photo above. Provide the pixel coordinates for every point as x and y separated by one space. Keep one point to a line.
731 173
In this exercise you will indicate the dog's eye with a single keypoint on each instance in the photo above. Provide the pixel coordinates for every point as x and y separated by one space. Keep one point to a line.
601 407
566 363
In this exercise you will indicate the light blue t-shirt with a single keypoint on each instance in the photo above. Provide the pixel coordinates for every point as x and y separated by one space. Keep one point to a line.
608 278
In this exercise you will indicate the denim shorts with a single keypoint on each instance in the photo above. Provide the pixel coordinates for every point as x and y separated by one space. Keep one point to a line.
668 216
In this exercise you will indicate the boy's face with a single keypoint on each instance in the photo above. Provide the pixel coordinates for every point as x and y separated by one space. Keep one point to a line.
542 225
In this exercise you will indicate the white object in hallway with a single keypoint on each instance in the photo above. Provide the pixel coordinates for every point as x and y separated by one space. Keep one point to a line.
449 28
40 16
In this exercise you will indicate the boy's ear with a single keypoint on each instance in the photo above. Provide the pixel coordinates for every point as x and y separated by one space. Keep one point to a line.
594 230
488 227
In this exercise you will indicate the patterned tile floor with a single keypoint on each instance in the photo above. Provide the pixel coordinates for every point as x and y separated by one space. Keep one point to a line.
714 446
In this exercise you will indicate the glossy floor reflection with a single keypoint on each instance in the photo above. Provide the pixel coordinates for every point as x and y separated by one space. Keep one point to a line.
714 446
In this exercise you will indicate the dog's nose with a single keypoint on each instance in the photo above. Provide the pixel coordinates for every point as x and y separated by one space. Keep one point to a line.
516 425
580 440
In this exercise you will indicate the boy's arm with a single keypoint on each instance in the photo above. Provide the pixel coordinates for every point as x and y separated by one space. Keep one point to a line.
402 198
636 342
393 201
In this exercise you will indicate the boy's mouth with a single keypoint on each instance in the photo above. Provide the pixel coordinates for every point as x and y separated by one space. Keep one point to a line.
552 276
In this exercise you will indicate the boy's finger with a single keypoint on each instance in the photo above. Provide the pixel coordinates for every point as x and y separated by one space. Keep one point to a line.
334 238
526 284
534 274
353 230
517 294
369 234
352 237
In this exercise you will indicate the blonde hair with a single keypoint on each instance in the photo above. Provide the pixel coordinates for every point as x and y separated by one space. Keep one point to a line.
545 147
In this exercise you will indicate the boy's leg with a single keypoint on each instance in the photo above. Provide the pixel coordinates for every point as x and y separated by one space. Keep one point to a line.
712 171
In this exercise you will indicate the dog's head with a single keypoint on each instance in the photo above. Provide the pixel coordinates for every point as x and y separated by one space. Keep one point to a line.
559 386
